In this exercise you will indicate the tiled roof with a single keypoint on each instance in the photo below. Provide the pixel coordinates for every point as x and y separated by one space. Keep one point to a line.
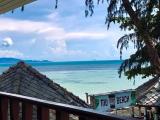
146 87
24 80
148 94
7 5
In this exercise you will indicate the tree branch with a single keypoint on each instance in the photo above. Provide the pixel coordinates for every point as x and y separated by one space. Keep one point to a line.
132 13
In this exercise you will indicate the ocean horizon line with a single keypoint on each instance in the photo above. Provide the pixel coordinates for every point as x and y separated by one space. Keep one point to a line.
45 60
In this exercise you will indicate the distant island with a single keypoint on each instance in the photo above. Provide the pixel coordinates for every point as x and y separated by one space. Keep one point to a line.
12 61
15 60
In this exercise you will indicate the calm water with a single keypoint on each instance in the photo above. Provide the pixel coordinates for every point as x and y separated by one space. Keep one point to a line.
89 76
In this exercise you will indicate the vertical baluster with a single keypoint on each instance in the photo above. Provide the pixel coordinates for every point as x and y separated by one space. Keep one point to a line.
3 108
14 109
87 118
27 110
60 115
42 113
82 118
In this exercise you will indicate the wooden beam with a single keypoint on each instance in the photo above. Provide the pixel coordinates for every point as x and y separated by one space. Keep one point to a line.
60 115
27 111
14 110
42 113
145 113
139 111
4 108
132 111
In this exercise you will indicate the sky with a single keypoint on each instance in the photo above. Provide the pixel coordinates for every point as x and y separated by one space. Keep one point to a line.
42 33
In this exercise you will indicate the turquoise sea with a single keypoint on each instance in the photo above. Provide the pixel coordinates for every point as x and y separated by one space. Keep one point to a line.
85 76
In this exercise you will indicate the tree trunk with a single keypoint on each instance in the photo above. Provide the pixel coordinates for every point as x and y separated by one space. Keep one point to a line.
151 50
153 55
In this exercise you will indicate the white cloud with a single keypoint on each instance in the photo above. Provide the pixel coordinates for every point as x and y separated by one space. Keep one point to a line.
23 26
11 53
87 34
55 35
48 29
54 16
7 42
52 33
63 51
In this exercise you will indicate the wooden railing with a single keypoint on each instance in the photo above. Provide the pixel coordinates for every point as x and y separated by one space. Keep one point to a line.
17 107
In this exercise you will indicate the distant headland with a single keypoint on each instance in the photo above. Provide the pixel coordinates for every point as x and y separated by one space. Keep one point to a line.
15 60
12 61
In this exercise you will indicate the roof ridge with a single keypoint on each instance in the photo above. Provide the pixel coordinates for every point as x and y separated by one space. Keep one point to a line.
51 82
32 71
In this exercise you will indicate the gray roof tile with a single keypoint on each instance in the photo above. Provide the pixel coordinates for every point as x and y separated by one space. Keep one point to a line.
25 80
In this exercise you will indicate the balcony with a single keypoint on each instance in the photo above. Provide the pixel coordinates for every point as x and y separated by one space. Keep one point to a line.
11 104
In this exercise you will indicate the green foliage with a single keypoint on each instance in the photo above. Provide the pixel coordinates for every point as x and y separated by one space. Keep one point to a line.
117 13
138 64
147 13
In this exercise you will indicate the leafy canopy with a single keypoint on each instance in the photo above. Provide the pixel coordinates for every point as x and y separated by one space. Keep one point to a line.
138 64
144 19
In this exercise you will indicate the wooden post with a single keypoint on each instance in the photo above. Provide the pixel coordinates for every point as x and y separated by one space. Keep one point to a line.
82 118
116 111
60 115
145 113
87 97
87 118
3 108
27 110
43 113
156 114
132 111
14 110
139 111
